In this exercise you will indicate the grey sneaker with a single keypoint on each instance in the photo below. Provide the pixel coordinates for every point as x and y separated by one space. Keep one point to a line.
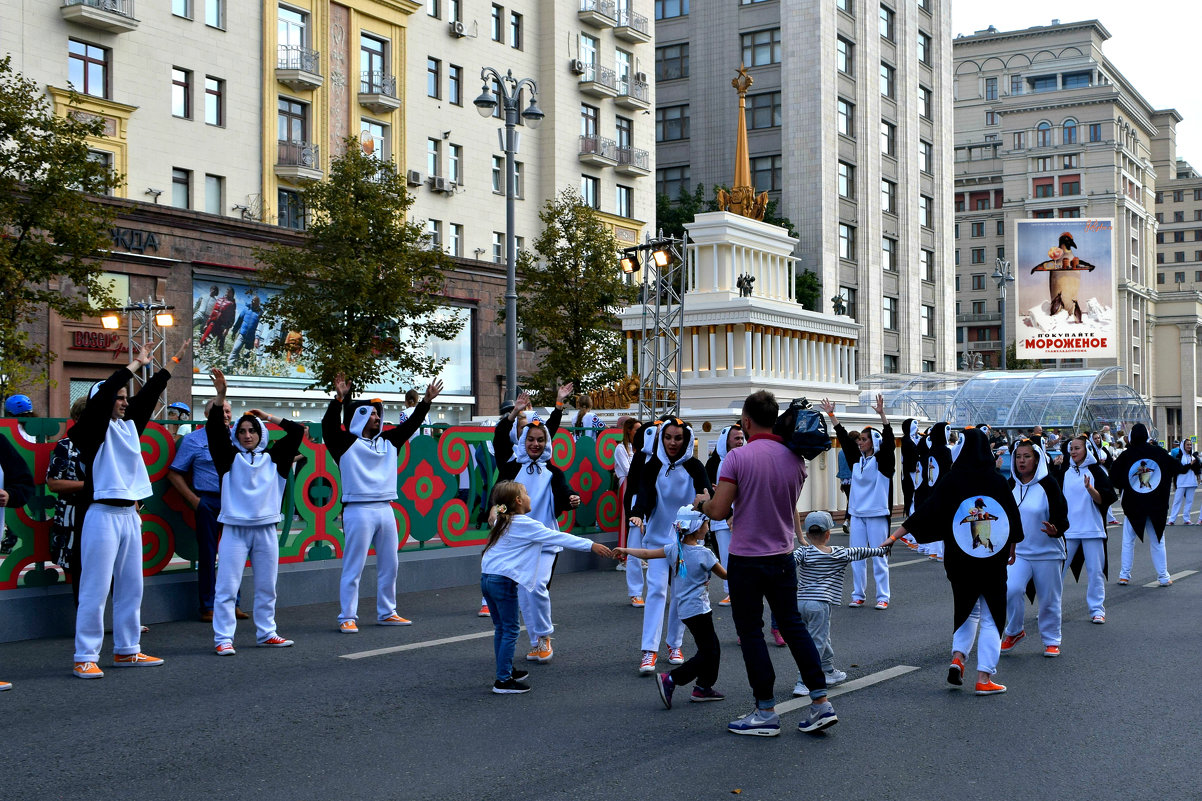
758 722
822 716
800 689
834 677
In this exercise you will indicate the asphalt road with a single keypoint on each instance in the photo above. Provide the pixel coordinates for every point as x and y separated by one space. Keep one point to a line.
1118 716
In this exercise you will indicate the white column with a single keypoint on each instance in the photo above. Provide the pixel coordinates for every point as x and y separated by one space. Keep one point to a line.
730 351
694 368
851 365
795 347
787 351
828 363
747 350
629 353
778 365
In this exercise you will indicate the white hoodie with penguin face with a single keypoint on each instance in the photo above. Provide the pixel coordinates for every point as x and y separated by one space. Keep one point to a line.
673 489
253 488
368 467
869 487
535 476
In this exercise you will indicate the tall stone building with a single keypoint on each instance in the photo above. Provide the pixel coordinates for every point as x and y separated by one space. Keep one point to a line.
849 124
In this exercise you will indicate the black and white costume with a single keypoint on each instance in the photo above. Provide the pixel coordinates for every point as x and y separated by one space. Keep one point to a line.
1143 473
1187 482
869 505
1085 538
644 441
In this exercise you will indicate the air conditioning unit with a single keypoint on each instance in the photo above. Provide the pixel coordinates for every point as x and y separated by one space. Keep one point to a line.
413 178
640 77
458 29
440 184
577 66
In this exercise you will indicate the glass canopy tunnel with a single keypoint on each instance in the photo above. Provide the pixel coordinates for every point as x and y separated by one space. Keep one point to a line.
1012 400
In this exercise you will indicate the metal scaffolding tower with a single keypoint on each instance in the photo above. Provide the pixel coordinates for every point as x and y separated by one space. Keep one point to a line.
663 261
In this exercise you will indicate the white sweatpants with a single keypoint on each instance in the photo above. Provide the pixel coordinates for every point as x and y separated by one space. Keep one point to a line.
365 525
653 609
723 537
1183 501
869 532
1095 554
110 551
634 567
989 643
1155 548
262 547
536 605
1049 587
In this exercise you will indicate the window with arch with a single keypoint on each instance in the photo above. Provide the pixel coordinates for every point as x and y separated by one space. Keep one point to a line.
1069 133
1043 134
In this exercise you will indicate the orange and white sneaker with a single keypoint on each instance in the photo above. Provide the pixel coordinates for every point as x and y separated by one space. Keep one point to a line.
348 627
136 660
5 685
541 652
725 601
1011 640
647 666
990 687
1099 619
1123 582
276 641
675 656
394 620
1051 651
88 670
955 672
225 649
636 602
483 611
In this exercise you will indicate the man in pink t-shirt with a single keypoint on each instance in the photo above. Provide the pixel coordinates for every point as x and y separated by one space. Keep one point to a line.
759 489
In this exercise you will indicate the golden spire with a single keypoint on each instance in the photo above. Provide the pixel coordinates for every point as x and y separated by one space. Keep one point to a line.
741 199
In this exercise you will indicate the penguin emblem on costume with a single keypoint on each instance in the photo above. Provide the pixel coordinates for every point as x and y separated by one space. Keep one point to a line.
981 526
1144 476
1063 282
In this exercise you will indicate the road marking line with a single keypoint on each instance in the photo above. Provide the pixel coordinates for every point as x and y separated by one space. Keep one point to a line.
850 687
911 562
413 646
1173 577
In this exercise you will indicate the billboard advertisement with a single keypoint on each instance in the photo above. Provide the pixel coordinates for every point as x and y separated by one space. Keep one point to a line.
230 332
1064 286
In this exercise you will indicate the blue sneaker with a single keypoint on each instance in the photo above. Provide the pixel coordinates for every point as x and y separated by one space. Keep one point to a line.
666 686
758 722
822 716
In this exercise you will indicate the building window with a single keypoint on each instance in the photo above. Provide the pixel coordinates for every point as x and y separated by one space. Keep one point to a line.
1179 256
1044 163
888 196
847 180
371 64
1070 212
978 307
847 242
455 240
498 30
763 110
1068 133
1001 253
590 191
978 255
215 13
672 62
498 247
761 47
671 123
1020 140
887 82
105 159
888 254
291 35
765 173
181 188
891 364
927 325
433 77
182 8
1178 278
849 301
1095 132
926 265
1043 83
214 101
889 313
844 5
624 131
1072 162
433 158
978 229
455 85
1045 214
373 138
924 48
590 120
667 9
87 68
455 164
289 211
519 180
888 138
1178 196
293 121
1043 134
498 175
1001 227
672 181
181 93
926 211
991 88
1076 80
622 62
886 23
1044 187
434 234
846 118
926 157
432 8
515 30
978 281
1016 84
1070 187
624 201
214 190
845 56
924 102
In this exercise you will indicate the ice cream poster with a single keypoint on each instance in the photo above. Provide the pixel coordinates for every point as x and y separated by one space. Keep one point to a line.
1064 288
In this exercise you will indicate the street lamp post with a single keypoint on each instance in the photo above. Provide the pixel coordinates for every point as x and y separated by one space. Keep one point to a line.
1003 276
508 91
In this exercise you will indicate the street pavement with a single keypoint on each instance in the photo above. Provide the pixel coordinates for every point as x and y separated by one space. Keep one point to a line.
1116 717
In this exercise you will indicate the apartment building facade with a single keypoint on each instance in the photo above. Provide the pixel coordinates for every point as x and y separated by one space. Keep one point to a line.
849 130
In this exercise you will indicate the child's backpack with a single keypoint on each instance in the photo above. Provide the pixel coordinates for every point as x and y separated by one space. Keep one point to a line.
803 430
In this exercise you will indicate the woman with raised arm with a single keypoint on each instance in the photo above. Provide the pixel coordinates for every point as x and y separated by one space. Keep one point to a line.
1089 493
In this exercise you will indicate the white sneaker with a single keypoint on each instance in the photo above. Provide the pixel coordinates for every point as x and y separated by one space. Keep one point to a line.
834 677
800 689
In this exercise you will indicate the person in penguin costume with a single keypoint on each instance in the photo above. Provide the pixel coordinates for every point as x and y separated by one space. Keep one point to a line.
729 438
911 470
870 502
1038 568
670 479
367 457
253 475
1089 493
644 440
973 495
938 461
1143 474
1187 482
524 456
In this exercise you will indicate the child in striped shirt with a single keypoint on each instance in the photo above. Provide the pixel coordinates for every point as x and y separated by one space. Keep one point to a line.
820 569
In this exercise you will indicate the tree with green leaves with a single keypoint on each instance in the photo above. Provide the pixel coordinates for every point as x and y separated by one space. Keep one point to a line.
807 288
364 288
52 227
569 294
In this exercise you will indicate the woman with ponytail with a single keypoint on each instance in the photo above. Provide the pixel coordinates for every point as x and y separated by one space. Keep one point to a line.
511 560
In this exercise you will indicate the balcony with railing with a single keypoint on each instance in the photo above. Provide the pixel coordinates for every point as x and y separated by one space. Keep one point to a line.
598 13
298 161
599 81
298 67
633 161
377 91
633 94
598 151
632 27
114 16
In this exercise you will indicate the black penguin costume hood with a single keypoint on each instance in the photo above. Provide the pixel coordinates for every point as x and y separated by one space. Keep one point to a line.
1143 473
1101 482
912 472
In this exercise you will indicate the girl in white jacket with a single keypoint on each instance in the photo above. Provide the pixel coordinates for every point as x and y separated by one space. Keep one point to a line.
511 560
1187 482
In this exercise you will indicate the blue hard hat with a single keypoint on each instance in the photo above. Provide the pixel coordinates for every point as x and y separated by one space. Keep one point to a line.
18 404
181 407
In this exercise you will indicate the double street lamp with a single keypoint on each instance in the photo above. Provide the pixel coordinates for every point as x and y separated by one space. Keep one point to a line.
1003 276
507 91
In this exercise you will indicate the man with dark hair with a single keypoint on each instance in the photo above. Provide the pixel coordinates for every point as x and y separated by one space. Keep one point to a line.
759 489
